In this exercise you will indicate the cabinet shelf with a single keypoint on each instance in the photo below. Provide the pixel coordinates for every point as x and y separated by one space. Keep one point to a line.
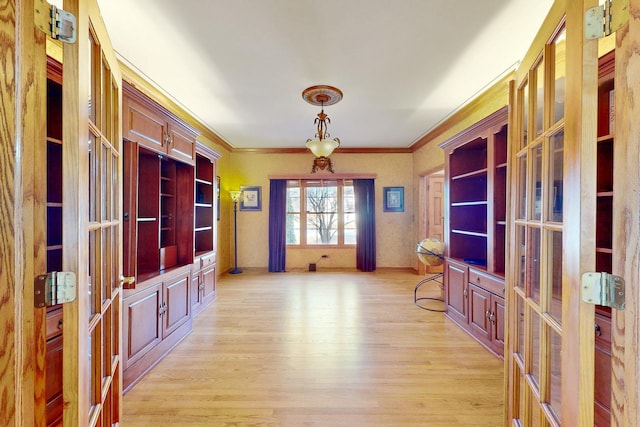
606 138
203 181
469 233
146 219
476 203
501 166
604 250
604 194
204 205
203 229
471 174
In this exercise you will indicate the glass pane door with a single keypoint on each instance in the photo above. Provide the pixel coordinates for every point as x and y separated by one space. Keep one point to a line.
538 223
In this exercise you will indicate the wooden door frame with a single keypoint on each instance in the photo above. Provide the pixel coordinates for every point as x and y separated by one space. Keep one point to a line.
21 207
625 380
423 208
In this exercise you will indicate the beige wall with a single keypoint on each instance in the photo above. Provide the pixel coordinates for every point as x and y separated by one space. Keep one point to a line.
394 234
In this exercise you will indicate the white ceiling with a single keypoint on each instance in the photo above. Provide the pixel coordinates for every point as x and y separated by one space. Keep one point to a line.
240 66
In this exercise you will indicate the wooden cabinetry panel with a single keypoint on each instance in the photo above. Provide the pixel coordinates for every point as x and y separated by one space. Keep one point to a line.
53 374
182 143
142 323
498 324
479 309
456 276
144 126
209 282
177 304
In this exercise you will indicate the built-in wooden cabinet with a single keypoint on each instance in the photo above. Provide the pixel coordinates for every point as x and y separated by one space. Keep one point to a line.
604 235
149 125
475 229
54 322
206 199
169 227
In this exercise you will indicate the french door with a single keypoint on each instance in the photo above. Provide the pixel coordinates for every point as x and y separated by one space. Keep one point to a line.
92 236
549 355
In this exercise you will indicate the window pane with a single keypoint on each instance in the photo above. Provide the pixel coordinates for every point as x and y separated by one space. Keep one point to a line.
533 264
349 204
524 105
539 75
349 229
537 179
293 229
521 245
322 229
293 199
555 262
556 371
535 350
520 337
560 51
522 187
556 168
322 199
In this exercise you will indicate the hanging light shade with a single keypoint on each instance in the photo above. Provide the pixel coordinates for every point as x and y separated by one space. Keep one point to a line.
322 145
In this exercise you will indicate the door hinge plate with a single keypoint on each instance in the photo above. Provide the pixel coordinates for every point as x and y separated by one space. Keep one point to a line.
57 23
603 289
606 19
54 288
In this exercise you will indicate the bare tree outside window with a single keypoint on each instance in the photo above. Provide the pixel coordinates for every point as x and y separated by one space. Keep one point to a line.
322 215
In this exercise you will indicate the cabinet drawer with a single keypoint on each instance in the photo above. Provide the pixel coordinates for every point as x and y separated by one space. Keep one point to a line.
54 323
492 284
207 260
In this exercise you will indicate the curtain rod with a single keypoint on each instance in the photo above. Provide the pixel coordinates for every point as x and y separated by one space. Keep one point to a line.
326 176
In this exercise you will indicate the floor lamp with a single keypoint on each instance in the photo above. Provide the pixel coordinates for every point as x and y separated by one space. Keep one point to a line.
235 196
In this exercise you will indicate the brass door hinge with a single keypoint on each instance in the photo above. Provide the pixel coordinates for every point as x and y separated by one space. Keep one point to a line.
57 23
603 289
606 19
54 288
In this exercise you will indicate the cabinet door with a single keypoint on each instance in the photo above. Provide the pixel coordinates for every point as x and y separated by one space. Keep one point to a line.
196 293
209 282
602 386
144 126
176 304
497 325
53 374
182 144
456 280
143 328
479 311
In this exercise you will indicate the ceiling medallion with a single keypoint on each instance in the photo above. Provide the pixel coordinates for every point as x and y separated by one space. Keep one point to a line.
322 145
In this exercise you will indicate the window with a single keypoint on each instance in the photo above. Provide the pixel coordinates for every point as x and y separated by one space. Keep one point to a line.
321 213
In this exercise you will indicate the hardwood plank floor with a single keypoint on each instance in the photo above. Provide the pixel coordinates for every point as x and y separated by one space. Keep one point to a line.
321 349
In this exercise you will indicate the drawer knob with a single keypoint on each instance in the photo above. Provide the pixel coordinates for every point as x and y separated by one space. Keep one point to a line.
598 330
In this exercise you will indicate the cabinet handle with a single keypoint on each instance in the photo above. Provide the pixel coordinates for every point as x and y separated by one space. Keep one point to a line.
60 324
598 330
464 292
488 315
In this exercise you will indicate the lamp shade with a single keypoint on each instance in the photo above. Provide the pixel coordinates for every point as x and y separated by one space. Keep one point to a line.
322 147
235 195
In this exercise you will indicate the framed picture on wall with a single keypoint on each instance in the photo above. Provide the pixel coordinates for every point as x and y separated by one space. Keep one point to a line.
393 199
251 198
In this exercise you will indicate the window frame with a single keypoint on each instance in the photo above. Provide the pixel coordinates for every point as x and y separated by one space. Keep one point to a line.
303 185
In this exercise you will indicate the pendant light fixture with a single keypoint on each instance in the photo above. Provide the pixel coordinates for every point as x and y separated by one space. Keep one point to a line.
322 145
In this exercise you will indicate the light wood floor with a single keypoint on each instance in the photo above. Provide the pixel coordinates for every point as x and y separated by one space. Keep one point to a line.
321 349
